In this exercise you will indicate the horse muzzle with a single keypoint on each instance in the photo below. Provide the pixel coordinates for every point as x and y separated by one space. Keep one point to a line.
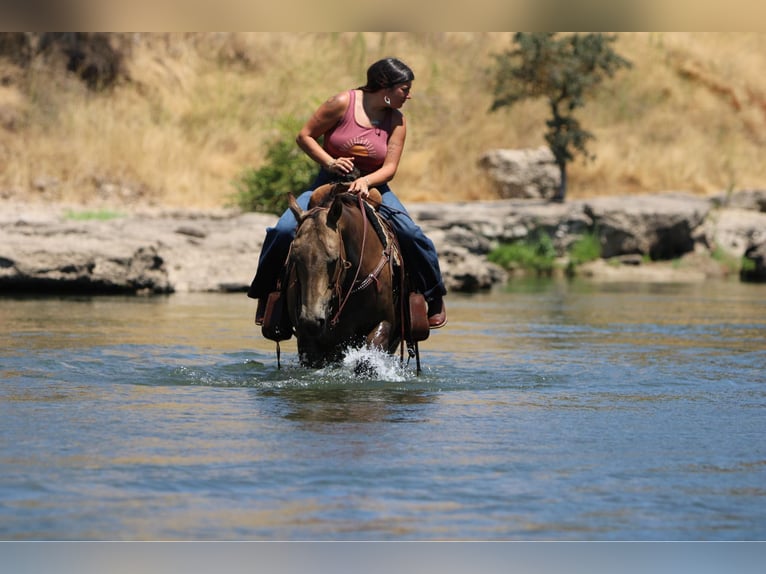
313 327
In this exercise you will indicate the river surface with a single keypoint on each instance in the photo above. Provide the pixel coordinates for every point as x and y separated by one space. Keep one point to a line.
545 411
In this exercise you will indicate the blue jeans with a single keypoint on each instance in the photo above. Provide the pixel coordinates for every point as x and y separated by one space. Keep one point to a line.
418 250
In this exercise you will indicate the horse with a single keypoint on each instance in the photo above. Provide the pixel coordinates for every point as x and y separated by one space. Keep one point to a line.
344 288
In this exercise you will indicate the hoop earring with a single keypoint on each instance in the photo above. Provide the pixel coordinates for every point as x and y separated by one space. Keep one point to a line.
387 100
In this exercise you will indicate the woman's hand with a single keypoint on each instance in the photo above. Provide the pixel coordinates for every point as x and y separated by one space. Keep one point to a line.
341 165
360 186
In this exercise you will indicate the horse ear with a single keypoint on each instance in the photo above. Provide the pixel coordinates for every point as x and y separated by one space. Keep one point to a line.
336 209
294 207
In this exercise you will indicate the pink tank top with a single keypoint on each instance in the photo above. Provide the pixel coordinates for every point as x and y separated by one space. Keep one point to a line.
368 146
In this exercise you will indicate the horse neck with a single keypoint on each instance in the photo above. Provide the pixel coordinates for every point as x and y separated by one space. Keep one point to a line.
360 242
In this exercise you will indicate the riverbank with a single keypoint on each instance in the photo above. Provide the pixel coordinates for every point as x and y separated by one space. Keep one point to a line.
75 248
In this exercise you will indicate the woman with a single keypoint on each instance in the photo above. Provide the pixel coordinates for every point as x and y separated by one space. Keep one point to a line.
362 130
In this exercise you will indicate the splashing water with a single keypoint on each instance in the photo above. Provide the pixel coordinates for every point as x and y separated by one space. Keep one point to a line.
374 364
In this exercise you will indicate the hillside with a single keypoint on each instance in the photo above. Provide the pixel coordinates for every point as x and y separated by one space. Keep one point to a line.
189 112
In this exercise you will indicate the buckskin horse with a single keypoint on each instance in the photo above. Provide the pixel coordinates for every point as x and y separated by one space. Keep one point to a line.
344 287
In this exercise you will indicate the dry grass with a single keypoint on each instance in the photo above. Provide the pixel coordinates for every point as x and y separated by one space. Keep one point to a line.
200 108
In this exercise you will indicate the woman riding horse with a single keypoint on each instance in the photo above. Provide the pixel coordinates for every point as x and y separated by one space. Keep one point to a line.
363 129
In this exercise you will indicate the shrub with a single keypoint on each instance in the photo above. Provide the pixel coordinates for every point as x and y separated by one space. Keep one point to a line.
536 253
728 261
287 169
586 248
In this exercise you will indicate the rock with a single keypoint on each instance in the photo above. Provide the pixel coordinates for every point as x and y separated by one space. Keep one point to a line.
84 269
466 272
158 251
191 231
750 199
522 173
734 230
660 226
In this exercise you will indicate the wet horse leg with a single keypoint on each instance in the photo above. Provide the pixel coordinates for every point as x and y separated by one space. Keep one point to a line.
378 339
380 336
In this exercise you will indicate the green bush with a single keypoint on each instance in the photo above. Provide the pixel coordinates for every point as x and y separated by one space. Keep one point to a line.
287 169
536 253
587 248
747 265
728 261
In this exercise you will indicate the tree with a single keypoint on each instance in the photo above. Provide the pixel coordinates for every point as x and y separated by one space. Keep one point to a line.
564 70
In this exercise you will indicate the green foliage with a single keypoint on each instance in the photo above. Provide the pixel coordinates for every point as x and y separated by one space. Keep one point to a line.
287 169
535 253
563 70
101 215
586 248
726 260
747 265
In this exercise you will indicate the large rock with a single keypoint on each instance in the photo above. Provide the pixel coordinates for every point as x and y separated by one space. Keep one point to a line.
462 260
734 230
140 253
65 257
86 270
522 173
660 226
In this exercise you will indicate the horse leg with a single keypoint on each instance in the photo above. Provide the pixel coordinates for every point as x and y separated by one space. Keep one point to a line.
380 336
377 339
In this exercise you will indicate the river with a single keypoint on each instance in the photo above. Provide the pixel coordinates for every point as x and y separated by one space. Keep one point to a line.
546 410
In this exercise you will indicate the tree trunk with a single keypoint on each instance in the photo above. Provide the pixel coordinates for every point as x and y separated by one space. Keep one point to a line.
562 191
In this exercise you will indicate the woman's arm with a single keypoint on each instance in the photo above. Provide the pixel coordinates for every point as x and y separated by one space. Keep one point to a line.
322 121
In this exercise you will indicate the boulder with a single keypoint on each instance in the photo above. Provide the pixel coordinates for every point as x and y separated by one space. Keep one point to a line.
522 173
734 230
79 265
660 226
468 273
47 251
